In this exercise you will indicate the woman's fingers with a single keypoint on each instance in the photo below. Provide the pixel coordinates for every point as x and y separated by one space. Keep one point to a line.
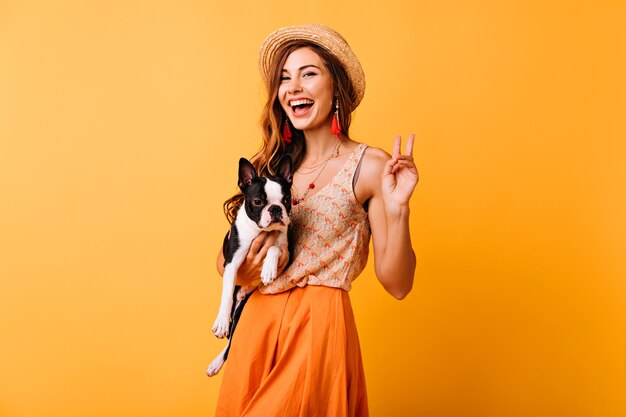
269 241
250 271
388 168
401 158
397 161
409 144
396 146
255 246
397 142
259 246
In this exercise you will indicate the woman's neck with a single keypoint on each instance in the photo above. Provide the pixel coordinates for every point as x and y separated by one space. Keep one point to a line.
320 143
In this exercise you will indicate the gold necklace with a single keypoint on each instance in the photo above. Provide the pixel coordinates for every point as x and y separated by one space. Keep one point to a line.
295 201
308 170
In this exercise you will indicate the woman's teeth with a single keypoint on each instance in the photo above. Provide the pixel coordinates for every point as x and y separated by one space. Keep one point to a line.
299 102
296 104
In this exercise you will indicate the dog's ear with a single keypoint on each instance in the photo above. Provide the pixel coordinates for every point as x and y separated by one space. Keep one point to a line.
284 168
246 173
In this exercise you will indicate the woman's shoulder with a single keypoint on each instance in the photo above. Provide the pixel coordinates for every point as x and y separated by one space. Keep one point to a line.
372 154
371 167
373 159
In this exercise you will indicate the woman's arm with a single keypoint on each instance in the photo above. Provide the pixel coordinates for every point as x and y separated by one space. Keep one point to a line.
249 273
389 183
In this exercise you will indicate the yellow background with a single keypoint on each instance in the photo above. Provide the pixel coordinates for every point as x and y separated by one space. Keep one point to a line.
120 126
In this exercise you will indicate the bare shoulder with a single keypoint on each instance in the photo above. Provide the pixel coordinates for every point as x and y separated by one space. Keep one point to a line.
372 165
375 157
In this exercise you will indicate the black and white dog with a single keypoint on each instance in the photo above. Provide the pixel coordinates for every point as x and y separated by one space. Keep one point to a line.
266 207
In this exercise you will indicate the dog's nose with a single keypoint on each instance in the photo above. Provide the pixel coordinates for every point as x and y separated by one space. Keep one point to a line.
275 211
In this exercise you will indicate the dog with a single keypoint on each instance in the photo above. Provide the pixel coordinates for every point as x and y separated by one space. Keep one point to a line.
266 207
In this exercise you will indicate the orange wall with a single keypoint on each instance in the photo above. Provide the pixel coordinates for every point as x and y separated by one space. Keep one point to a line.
120 126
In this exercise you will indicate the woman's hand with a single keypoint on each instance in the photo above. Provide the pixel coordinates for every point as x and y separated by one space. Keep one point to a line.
249 273
399 176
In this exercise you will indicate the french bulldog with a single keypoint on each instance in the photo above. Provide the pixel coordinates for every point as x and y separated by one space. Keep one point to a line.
266 207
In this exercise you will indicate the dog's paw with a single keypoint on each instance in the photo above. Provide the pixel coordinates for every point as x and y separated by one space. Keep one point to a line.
220 327
270 265
268 273
215 366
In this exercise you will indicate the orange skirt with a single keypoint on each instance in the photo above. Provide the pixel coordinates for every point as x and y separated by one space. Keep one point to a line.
295 353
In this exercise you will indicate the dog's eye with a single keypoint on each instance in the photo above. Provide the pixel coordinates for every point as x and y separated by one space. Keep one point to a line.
257 202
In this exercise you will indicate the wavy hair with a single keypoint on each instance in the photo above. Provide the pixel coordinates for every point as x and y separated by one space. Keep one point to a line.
273 115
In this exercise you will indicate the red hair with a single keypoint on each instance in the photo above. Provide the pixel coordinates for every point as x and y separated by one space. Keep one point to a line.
273 115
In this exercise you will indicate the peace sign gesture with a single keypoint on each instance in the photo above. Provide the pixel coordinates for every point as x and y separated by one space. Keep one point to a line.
399 176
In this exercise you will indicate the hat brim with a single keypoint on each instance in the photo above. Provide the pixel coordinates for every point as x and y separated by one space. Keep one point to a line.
323 36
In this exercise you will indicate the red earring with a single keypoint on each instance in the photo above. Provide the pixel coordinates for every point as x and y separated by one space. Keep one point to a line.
286 131
335 129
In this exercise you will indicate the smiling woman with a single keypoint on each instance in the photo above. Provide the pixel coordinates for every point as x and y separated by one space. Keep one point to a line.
297 350
306 90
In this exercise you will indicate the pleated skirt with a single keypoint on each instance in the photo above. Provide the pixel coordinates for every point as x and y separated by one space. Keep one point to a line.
295 354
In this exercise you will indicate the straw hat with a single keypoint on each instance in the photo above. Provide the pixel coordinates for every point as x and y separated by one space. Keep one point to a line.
323 36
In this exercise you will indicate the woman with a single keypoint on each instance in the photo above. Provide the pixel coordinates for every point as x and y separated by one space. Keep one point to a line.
296 350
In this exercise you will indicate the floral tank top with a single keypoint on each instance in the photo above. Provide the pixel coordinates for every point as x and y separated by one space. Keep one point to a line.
330 234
